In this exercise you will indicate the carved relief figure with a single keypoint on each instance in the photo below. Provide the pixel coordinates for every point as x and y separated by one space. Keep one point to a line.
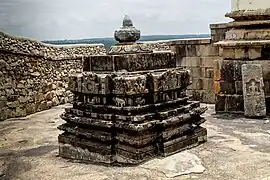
90 87
93 101
167 97
140 101
128 86
253 87
119 102
120 86
139 86
162 84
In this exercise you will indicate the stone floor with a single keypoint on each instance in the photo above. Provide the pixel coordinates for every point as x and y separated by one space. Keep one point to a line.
237 148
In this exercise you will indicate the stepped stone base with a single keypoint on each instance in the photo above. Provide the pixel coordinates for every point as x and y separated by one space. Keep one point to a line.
130 106
83 150
131 139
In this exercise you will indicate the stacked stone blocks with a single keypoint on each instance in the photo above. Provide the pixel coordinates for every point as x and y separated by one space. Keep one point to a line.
198 57
247 41
130 116
130 106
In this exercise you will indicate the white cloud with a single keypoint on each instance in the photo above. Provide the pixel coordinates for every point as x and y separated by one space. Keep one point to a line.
68 19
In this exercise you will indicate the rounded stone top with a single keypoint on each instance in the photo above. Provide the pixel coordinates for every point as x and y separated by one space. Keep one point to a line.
127 33
127 22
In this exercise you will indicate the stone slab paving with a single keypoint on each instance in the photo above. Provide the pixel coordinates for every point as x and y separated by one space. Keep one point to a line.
237 148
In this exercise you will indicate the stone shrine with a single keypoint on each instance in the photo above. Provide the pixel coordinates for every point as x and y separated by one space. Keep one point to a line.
130 106
247 41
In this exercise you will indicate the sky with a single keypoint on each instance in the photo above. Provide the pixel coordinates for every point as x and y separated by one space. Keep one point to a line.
76 19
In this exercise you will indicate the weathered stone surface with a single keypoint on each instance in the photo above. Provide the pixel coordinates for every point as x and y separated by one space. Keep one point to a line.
37 73
87 133
25 46
206 96
229 144
170 79
229 103
78 153
198 56
248 34
258 14
185 142
130 84
127 33
130 48
101 63
253 90
137 140
87 121
125 157
144 61
131 106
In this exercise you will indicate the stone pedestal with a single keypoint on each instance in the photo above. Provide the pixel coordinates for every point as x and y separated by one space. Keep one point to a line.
254 99
130 107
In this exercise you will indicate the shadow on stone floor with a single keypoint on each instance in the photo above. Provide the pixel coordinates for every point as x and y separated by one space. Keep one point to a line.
13 163
227 116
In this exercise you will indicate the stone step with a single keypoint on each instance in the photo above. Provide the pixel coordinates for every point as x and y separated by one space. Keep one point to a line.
192 116
84 155
131 110
163 114
129 158
70 118
95 134
137 141
185 142
91 145
137 150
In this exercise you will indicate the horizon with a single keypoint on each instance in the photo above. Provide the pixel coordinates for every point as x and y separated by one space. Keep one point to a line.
66 19
112 37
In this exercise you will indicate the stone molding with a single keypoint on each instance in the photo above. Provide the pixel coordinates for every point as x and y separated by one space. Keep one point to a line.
249 14
231 43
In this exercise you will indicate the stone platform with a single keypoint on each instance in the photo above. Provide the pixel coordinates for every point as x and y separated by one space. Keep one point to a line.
130 106
129 125
29 149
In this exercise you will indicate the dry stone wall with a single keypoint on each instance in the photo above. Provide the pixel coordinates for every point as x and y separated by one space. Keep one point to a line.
23 46
34 76
158 45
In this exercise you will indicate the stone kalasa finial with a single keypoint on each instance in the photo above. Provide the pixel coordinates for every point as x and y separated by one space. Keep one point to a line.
127 33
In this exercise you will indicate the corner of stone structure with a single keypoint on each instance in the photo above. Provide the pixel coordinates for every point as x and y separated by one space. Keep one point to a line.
245 43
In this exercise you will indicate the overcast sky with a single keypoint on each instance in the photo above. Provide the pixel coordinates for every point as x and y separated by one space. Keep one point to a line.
73 19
